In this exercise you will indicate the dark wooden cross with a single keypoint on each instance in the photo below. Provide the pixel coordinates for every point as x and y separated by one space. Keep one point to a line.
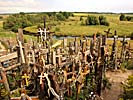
123 51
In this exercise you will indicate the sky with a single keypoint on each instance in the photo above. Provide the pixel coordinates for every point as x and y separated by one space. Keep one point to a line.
115 6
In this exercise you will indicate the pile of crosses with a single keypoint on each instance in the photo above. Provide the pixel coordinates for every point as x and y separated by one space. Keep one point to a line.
61 70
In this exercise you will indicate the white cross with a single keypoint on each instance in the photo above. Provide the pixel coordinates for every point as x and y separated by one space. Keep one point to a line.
41 76
41 33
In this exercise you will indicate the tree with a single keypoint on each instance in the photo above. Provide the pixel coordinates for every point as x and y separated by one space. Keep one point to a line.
122 17
128 18
92 20
103 21
81 18
22 20
60 17
66 14
13 22
1 17
131 36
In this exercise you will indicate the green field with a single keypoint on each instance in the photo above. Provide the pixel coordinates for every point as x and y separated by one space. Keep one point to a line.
73 27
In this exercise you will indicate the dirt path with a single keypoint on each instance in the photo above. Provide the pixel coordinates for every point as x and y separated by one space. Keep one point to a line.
115 78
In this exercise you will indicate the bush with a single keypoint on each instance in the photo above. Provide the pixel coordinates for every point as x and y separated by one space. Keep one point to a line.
131 36
122 17
103 21
128 18
81 18
57 29
92 20
60 17
13 22
1 17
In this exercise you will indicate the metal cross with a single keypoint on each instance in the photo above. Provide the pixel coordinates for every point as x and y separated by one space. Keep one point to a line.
26 79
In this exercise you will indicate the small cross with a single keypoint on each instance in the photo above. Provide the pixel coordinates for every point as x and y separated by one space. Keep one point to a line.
26 79
41 76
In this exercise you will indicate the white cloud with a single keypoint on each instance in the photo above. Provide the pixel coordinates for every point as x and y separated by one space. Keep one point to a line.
18 5
66 5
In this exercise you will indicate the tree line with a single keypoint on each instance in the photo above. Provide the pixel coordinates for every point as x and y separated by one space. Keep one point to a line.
22 20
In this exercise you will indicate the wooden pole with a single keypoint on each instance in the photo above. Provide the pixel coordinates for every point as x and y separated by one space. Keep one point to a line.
4 78
21 52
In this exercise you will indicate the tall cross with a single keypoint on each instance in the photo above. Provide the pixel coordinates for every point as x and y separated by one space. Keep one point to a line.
26 79
40 31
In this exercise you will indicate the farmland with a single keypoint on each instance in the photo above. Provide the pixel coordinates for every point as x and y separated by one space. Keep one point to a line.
74 27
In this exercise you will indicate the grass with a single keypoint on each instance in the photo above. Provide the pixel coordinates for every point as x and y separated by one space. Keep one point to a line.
73 27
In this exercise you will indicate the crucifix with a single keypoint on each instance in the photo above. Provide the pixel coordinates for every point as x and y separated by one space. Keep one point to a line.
41 77
40 31
26 79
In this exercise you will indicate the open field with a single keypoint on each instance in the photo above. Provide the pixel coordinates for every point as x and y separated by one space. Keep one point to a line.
73 26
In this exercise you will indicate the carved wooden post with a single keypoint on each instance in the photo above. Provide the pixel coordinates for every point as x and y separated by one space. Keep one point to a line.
20 36
64 42
123 51
45 32
33 56
4 78
20 40
98 68
93 45
58 57
54 57
76 45
21 52
115 51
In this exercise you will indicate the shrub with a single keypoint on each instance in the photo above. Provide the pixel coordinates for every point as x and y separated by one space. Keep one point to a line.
60 17
131 36
92 20
1 17
103 21
57 29
128 18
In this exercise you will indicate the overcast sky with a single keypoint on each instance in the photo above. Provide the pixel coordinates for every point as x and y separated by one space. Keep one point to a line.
16 6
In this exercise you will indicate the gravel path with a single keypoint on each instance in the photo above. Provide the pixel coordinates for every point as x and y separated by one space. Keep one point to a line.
115 78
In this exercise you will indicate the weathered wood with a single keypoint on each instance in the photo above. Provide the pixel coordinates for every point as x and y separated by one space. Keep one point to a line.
32 97
4 78
54 58
21 52
12 67
20 36
8 56
65 42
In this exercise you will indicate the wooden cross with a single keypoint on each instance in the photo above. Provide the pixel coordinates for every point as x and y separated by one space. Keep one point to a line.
26 79
40 31
107 32
41 77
